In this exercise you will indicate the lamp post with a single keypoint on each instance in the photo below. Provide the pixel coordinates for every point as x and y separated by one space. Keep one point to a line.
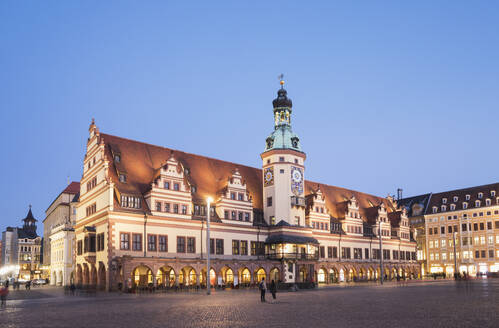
209 200
455 258
380 253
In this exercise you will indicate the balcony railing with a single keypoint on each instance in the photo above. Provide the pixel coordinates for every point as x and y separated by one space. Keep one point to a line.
291 256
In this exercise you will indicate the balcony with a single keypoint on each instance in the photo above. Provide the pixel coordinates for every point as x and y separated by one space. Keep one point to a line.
291 256
297 201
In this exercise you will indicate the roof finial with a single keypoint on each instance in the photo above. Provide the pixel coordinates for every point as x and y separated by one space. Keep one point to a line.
281 80
30 206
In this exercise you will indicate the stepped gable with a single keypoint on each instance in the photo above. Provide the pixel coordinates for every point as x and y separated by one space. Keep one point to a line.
337 201
142 161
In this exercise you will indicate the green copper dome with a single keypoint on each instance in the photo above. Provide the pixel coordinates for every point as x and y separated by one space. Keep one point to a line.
283 138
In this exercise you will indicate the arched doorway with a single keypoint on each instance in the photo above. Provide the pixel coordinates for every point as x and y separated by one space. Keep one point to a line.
93 276
303 274
342 275
259 274
191 277
79 274
142 276
274 275
85 274
227 275
102 276
60 279
352 274
333 275
321 276
165 277
370 274
245 276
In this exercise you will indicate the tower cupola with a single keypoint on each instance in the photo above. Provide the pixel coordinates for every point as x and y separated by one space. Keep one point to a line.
282 137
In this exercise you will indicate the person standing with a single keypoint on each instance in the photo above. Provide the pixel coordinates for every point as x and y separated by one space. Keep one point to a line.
263 289
273 288
3 296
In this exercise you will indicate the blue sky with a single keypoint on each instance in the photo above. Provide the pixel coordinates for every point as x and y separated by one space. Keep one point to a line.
386 94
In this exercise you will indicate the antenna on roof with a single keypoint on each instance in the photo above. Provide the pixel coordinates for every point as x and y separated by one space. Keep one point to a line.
68 179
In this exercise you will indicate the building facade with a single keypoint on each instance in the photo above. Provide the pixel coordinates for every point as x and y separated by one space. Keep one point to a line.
22 249
142 216
58 231
62 263
461 230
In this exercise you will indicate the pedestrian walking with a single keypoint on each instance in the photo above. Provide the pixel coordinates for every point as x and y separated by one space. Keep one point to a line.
273 289
3 296
263 289
72 288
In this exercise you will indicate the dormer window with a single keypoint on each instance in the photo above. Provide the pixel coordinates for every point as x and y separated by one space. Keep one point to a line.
117 158
467 197
444 200
455 199
435 209
443 208
452 207
465 205
123 178
193 189
480 195
187 171
477 203
487 202
493 193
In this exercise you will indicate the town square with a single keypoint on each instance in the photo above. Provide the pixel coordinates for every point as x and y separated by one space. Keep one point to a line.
249 164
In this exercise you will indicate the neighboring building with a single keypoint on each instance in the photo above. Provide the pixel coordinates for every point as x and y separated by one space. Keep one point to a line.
58 250
62 242
61 211
142 212
416 207
462 230
22 247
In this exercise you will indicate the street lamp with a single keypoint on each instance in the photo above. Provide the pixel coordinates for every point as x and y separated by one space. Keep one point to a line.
209 200
381 273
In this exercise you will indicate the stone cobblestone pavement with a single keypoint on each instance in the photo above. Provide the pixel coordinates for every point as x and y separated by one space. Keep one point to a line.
420 304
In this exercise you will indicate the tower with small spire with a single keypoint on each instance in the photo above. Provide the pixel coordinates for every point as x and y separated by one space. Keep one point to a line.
29 224
283 167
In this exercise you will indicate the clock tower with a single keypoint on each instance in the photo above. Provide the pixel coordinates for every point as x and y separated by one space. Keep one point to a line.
283 168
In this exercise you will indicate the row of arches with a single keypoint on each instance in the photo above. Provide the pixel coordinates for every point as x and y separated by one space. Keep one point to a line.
90 275
352 274
166 276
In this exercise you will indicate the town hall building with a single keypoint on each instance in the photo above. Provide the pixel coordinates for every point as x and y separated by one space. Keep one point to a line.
141 218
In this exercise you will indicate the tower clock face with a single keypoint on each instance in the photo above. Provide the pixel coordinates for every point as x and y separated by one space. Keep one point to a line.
268 176
296 180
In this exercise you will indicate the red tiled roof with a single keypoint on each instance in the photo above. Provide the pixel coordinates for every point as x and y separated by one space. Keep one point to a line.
72 188
141 162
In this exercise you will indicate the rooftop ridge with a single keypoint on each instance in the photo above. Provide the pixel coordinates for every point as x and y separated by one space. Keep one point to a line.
468 188
176 150
233 163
